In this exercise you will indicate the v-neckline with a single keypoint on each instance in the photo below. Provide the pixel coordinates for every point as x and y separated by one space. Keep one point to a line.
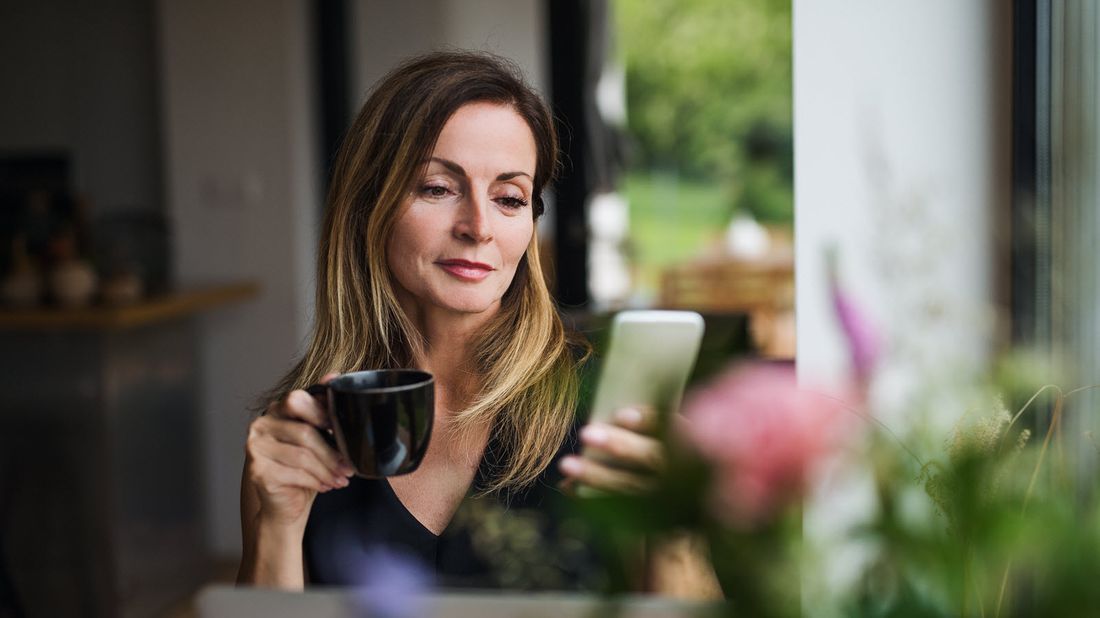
480 477
409 516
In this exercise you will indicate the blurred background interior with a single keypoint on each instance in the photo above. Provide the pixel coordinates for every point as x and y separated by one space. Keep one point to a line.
162 168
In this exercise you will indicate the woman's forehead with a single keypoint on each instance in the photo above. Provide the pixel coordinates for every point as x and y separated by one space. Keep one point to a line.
487 138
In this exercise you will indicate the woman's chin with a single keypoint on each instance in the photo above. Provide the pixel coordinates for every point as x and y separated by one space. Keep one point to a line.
470 305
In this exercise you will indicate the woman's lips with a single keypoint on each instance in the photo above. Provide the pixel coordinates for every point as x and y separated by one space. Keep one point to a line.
466 270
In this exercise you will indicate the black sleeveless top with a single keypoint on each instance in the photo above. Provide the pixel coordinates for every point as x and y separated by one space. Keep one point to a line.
520 540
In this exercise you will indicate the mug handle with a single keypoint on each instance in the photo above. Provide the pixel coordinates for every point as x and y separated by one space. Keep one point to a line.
320 393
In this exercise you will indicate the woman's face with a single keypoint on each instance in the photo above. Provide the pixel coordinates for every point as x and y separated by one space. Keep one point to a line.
468 221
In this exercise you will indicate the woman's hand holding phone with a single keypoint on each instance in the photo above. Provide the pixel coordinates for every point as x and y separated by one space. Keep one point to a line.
621 455
649 358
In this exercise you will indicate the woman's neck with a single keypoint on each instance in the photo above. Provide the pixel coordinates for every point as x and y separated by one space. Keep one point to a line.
449 345
453 368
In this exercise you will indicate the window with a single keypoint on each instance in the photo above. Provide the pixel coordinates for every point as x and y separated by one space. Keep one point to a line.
1056 221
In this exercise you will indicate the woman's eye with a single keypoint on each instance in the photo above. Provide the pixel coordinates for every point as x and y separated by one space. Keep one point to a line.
436 191
512 202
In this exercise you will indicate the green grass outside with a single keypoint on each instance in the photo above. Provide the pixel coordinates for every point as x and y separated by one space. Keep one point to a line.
671 220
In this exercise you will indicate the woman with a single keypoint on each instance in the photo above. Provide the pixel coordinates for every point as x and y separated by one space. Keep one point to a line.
429 259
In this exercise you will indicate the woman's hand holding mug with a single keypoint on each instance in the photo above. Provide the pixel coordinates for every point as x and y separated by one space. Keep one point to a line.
288 460
383 420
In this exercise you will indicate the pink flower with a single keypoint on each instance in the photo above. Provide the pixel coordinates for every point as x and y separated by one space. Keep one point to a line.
763 436
863 340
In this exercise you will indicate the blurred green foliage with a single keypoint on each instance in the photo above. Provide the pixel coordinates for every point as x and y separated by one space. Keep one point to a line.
671 219
709 96
1012 536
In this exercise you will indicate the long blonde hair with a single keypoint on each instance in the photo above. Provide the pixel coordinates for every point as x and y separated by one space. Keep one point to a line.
527 361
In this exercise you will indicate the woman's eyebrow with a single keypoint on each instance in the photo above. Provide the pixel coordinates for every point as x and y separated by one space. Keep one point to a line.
511 175
457 169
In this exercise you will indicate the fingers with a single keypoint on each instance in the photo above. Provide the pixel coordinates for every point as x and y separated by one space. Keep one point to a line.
301 458
597 475
270 476
298 434
621 456
301 406
625 447
641 419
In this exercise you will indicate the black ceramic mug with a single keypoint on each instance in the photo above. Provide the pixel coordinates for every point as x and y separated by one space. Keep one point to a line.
381 419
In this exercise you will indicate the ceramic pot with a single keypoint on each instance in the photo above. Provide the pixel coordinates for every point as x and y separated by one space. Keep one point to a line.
73 283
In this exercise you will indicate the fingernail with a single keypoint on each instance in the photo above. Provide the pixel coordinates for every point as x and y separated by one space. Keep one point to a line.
631 416
341 482
571 466
594 435
346 470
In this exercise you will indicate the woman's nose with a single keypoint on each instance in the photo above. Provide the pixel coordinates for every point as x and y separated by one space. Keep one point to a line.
472 220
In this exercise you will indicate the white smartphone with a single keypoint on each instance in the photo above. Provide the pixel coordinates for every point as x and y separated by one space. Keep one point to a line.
648 362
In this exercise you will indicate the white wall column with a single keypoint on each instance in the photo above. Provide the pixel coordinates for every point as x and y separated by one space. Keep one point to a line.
243 197
903 163
902 159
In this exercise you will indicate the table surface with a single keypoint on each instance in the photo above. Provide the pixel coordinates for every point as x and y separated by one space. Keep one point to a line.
176 304
222 601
